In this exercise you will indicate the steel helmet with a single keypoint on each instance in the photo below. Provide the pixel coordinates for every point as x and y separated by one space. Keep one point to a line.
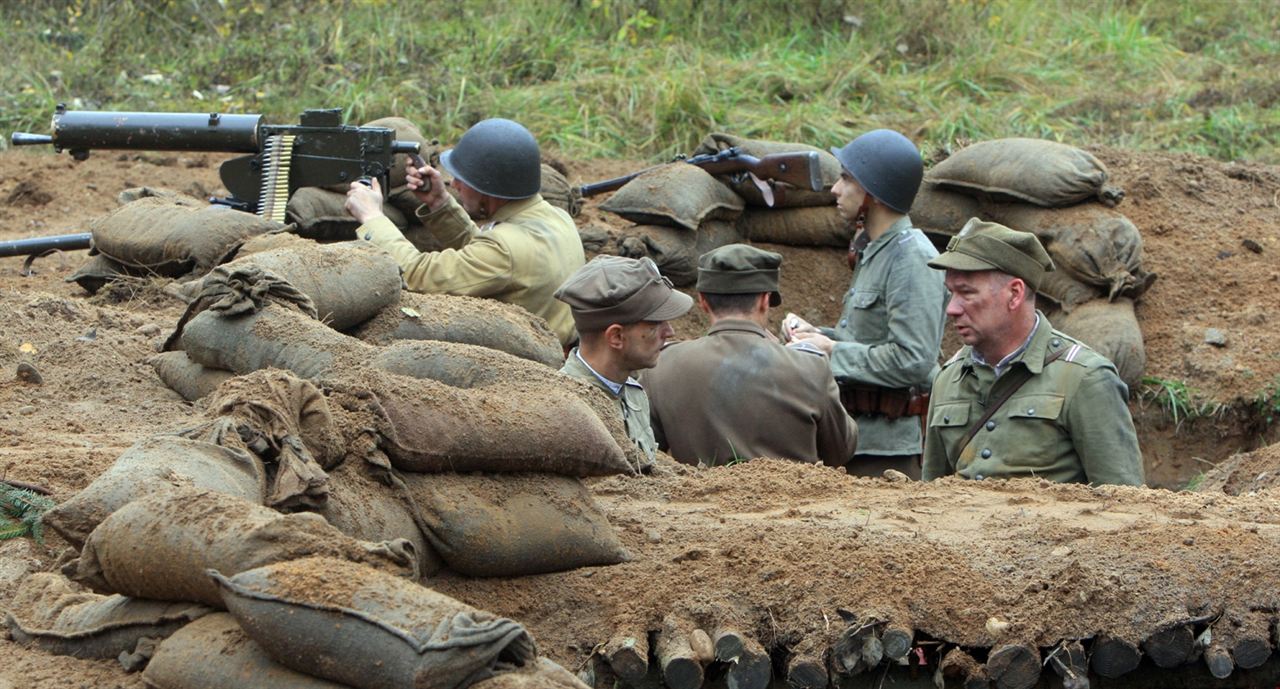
497 157
886 164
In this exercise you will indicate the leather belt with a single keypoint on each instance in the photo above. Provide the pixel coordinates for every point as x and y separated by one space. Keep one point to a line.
874 400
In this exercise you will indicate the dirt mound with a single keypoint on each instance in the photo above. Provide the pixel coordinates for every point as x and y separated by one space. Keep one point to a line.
1245 473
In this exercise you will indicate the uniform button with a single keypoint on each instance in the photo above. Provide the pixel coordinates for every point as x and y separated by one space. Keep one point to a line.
844 322
991 425
1055 342
986 453
1031 411
946 419
978 477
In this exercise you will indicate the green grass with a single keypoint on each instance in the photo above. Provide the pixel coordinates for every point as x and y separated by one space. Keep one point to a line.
22 513
1181 402
649 78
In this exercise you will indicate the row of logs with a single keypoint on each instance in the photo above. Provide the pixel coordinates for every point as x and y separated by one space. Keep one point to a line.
683 655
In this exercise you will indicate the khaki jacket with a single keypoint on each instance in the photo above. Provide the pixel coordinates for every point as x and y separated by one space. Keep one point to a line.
1069 423
890 331
521 257
632 401
735 394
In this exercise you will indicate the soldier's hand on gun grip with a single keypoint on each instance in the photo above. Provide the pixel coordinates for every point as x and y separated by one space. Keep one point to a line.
426 183
364 200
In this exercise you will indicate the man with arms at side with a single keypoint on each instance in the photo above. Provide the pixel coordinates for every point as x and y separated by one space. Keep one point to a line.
524 250
1020 398
621 307
736 393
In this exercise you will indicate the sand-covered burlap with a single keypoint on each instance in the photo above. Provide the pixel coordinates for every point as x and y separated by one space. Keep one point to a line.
544 674
160 546
321 214
465 320
98 270
215 653
675 195
173 237
459 365
186 377
508 525
1066 291
788 197
274 337
194 458
51 613
1045 173
557 191
356 625
1111 328
676 250
945 212
807 226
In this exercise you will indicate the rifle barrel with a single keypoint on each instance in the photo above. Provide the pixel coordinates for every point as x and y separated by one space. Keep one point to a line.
39 245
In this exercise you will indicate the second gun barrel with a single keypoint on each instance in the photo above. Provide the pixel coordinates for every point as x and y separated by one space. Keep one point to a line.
155 131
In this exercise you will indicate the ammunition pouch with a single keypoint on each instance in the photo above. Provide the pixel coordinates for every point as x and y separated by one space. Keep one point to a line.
891 403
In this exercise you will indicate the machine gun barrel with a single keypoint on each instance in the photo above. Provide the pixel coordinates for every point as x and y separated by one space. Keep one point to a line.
40 245
81 131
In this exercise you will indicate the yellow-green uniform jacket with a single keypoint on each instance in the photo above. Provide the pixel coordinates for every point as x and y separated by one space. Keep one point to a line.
1068 423
521 257
632 401
890 331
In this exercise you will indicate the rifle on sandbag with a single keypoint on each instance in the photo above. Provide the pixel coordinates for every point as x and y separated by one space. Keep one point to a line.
318 151
802 169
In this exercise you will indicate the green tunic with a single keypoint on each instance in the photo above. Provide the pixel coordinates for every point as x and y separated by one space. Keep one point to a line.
890 331
632 402
1069 423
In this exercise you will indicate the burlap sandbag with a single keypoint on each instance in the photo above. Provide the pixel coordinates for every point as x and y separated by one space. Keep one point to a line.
1045 173
186 377
789 196
353 624
510 525
275 337
459 365
97 271
465 320
321 214
160 546
52 614
153 464
811 226
1111 329
1066 291
945 212
215 653
557 191
675 195
172 238
674 250
544 674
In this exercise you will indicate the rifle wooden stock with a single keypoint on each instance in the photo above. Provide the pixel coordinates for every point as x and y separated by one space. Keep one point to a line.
800 169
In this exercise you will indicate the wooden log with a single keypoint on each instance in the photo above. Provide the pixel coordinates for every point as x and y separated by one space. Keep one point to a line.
628 655
896 639
680 666
702 647
846 651
598 674
749 665
872 651
1171 646
1250 652
1113 657
806 669
1014 666
1071 664
1248 637
959 666
1219 661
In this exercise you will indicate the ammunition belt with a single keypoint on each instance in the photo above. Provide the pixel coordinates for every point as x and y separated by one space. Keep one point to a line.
874 400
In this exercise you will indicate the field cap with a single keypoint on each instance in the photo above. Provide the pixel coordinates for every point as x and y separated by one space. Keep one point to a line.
740 269
985 245
614 289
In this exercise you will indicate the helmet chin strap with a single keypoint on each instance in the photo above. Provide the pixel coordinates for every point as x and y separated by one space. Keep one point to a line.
858 241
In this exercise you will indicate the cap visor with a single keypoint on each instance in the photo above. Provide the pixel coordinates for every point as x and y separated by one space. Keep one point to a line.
958 261
677 304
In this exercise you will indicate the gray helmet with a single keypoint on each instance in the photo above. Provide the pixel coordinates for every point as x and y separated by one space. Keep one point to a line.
886 164
497 157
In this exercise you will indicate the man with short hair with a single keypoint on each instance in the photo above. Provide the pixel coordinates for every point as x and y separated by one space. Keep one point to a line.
1020 398
621 307
736 393
523 252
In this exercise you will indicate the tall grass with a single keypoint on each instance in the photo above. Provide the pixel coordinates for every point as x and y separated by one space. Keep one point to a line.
649 78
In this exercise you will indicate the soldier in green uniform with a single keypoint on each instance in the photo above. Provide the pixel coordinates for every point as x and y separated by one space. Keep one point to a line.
1020 398
621 307
885 349
523 252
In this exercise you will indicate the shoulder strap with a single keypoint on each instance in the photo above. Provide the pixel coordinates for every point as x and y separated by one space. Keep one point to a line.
995 407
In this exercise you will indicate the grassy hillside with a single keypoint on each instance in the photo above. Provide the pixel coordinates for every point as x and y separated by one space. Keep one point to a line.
638 78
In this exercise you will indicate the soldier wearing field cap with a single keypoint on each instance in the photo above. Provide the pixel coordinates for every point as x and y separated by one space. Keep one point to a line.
1020 398
621 307
736 393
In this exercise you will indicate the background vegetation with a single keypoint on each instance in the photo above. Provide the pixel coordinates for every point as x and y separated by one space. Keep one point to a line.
648 78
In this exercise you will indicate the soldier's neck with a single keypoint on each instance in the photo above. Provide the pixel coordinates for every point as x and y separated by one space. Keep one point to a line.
602 362
879 219
1010 339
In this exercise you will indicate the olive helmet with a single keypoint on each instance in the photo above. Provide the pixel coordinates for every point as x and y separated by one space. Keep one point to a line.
497 157
886 164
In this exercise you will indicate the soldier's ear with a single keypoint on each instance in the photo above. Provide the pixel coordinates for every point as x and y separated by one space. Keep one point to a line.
1018 292
613 336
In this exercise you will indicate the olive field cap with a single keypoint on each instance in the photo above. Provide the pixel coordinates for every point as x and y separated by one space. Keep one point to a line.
498 158
614 289
886 164
740 269
985 245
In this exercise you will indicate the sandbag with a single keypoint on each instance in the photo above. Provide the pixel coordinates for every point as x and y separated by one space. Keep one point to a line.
945 212
676 251
544 674
353 624
789 197
459 365
152 464
320 214
172 238
465 320
811 226
1066 291
557 191
675 195
215 653
186 377
1045 173
275 337
50 613
160 546
97 271
509 525
1111 329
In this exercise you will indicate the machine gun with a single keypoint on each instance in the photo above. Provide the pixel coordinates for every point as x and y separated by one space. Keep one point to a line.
801 169
319 151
